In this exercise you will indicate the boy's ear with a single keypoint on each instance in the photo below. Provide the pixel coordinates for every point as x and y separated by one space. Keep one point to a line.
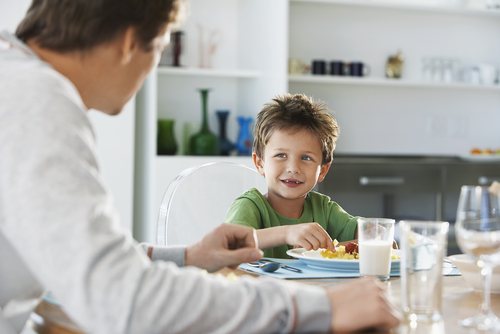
323 171
259 164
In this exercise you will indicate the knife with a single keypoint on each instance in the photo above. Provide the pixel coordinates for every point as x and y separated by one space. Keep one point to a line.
284 266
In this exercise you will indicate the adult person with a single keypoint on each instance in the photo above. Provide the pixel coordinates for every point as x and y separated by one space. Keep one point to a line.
58 228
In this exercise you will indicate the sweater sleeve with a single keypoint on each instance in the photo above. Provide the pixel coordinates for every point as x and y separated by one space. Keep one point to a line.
59 216
175 254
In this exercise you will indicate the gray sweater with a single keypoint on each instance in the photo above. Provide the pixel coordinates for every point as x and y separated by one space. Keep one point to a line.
59 231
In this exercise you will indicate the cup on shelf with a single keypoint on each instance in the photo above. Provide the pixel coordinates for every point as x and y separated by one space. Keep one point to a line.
437 69
375 238
337 67
423 247
488 74
318 67
359 69
471 75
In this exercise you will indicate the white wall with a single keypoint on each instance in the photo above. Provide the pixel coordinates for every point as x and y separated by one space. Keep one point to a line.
115 135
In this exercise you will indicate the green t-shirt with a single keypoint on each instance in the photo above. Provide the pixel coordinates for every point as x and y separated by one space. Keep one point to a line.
252 209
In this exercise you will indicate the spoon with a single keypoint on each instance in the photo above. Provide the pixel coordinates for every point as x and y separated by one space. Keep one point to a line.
268 267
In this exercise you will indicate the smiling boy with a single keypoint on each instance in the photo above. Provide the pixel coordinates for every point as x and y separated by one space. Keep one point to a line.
293 149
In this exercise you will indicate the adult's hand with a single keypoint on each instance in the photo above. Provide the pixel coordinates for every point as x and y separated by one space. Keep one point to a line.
226 246
361 304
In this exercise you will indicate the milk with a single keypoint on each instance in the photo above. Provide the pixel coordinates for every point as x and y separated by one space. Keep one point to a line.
375 258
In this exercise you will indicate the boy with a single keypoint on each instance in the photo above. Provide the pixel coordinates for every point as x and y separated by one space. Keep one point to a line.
293 148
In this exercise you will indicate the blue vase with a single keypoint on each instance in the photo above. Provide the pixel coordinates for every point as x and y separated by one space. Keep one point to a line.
245 139
225 145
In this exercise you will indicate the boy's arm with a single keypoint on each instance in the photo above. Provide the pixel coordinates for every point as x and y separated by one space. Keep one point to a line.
306 235
271 237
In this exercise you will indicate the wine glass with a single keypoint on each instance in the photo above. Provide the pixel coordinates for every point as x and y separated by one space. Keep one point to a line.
478 234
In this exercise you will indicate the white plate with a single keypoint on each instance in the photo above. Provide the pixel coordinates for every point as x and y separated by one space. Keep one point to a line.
314 259
481 157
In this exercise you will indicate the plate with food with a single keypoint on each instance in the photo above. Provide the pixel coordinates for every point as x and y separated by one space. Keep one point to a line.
346 258
481 157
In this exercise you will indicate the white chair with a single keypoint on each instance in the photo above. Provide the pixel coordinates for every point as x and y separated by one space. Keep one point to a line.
197 200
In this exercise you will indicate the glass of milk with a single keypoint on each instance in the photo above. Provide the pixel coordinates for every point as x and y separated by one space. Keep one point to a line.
375 238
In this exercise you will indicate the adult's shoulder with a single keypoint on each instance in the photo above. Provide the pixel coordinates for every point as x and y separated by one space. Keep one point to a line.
29 85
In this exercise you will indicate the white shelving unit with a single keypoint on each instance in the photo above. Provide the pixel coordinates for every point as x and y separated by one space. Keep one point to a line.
367 81
447 7
406 116
207 72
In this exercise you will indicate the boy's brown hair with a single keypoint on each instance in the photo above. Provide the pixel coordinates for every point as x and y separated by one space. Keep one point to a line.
296 112
79 25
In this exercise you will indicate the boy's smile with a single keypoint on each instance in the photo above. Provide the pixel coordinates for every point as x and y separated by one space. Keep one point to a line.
292 167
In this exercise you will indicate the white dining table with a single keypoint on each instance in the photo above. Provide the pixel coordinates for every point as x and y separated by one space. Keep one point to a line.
459 301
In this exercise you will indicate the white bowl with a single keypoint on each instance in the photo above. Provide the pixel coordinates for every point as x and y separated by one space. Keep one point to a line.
471 273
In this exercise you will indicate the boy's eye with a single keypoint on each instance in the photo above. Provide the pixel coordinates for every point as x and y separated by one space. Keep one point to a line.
281 155
305 157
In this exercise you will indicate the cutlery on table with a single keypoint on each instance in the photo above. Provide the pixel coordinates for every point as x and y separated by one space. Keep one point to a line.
268 267
281 264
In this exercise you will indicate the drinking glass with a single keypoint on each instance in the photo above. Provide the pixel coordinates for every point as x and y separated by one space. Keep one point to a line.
375 238
478 234
423 247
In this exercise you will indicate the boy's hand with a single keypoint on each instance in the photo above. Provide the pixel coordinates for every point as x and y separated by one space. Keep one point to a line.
310 236
373 306
227 245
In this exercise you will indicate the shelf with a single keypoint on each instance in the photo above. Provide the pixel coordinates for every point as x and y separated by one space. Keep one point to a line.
413 6
360 81
207 72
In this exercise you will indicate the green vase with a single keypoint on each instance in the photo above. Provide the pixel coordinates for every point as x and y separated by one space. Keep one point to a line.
204 142
166 144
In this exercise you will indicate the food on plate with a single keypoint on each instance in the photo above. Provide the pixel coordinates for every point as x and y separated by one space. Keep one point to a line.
340 254
351 247
487 151
348 252
475 151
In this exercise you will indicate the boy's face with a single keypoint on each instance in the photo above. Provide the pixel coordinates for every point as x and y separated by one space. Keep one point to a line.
292 163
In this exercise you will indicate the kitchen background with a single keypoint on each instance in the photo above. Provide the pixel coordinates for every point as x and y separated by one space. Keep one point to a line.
415 131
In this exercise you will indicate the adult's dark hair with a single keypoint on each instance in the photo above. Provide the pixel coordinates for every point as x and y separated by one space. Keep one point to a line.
79 25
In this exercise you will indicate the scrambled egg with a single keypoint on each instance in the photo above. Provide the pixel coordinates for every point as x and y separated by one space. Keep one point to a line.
340 254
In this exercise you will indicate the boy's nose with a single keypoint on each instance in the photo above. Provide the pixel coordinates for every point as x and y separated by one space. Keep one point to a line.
293 168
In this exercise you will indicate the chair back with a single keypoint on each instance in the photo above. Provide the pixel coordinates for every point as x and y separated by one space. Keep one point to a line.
197 200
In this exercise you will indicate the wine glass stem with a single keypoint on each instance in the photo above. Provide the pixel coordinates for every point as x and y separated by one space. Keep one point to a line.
486 272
